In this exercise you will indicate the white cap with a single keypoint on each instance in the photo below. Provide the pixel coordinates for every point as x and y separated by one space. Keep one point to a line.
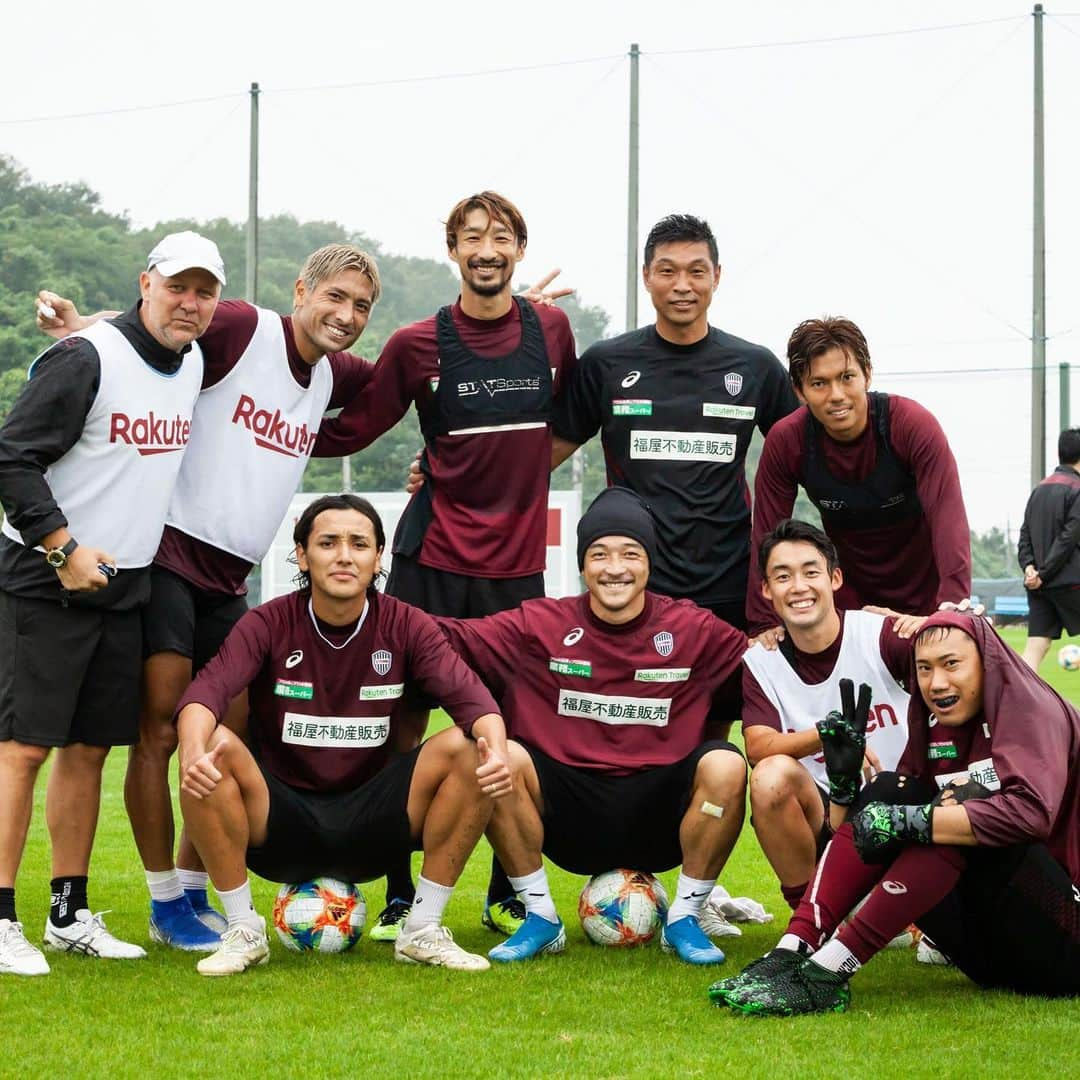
180 251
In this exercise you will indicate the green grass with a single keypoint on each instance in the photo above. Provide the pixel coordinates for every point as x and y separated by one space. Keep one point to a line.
584 1013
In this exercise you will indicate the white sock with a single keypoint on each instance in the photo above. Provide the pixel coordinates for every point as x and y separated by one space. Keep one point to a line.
239 909
193 879
164 885
794 943
837 958
428 905
535 893
690 897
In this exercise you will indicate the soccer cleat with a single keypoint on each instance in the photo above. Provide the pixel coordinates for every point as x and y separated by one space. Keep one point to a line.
209 916
794 991
758 971
687 940
504 916
88 935
928 953
390 921
537 935
174 923
434 945
715 923
242 946
17 955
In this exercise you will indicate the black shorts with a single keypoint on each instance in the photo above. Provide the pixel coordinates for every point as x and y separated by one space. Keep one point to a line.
594 822
351 835
68 674
458 596
1050 610
184 619
1012 922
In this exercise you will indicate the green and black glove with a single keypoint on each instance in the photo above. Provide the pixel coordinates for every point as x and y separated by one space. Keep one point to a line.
843 741
882 831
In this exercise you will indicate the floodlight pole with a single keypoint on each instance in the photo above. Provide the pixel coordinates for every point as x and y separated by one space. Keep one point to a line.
1038 282
632 198
251 280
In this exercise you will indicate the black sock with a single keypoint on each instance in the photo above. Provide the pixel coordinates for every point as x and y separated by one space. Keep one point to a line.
7 904
399 882
499 887
68 896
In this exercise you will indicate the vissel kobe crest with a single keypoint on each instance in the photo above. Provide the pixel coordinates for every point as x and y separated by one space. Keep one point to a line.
664 642
381 661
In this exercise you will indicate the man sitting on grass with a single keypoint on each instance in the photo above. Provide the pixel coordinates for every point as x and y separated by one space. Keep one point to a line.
975 839
607 697
322 793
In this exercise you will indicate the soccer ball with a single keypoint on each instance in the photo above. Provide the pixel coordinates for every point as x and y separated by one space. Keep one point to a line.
324 915
622 908
1069 657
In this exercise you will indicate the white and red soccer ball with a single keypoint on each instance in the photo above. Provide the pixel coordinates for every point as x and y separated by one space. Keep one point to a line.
622 908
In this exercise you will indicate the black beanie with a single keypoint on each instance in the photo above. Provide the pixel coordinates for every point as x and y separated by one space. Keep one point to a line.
616 511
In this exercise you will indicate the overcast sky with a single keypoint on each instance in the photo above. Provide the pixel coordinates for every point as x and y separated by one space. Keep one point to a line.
880 174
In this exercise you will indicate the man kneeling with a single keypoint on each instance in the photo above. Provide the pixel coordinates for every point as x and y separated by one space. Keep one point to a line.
975 840
607 696
320 793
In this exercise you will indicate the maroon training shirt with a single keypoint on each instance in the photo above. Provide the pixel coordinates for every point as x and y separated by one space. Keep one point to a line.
224 342
321 713
911 566
1025 747
490 490
616 699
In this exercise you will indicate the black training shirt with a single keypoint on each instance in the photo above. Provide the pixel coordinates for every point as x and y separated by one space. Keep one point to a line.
675 422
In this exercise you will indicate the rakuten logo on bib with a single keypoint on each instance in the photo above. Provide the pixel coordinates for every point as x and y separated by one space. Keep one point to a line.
271 430
150 434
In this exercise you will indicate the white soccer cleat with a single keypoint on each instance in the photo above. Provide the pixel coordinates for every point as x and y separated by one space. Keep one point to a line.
89 936
435 945
927 954
715 923
242 946
17 955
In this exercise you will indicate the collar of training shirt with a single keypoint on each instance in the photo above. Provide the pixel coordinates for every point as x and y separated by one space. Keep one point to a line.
160 358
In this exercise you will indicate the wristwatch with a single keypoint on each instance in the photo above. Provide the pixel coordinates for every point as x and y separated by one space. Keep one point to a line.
57 557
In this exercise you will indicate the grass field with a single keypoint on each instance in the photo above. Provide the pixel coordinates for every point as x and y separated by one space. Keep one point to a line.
584 1013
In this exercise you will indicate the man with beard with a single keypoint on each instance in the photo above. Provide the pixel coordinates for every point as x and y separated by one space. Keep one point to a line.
482 374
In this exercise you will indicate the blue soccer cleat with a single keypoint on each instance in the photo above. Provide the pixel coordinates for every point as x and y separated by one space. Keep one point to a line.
688 941
537 935
174 923
209 916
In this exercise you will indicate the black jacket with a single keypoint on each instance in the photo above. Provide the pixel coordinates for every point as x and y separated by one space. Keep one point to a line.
1051 530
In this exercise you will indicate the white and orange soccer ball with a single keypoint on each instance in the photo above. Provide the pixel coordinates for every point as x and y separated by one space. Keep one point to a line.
622 908
324 915
1069 657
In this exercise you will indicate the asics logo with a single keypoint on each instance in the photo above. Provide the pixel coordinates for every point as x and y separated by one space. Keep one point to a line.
895 888
294 658
630 379
574 636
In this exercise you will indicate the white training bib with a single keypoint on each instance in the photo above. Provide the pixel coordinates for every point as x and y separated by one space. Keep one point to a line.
115 483
801 706
252 437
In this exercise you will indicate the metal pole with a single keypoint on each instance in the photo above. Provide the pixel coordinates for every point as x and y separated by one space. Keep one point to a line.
251 281
1038 300
346 473
632 198
1063 396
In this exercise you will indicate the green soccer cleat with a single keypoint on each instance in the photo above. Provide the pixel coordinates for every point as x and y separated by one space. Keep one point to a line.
794 991
504 916
390 921
756 973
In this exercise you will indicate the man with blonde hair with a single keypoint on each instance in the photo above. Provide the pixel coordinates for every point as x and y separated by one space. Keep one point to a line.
263 396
